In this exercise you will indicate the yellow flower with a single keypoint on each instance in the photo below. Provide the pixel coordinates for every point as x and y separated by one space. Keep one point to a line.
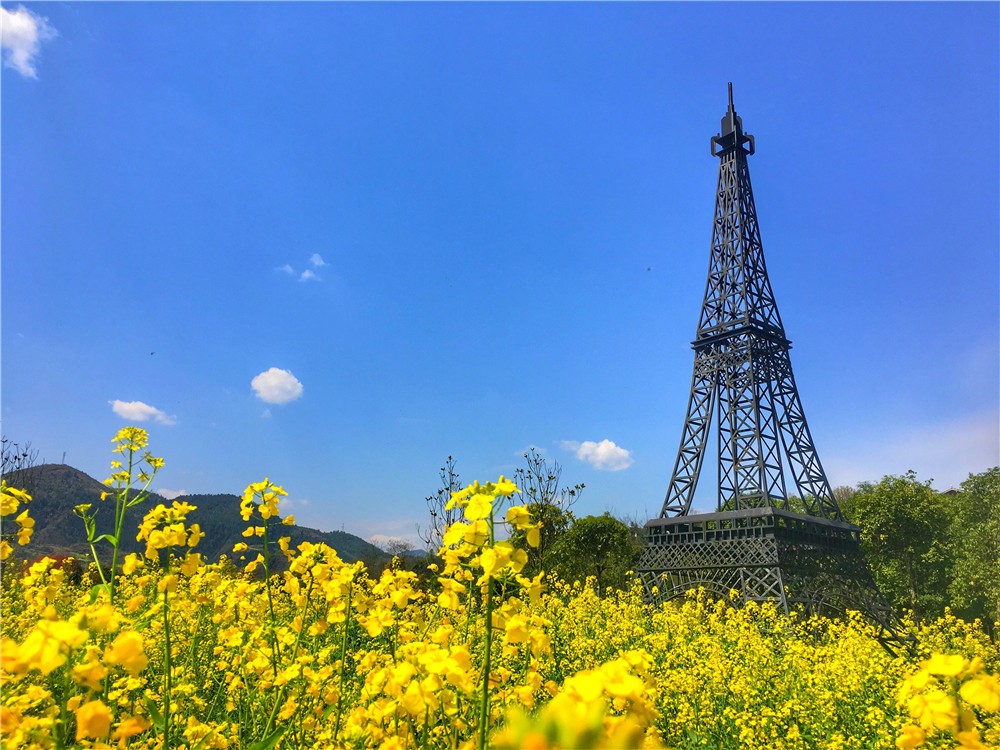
412 699
93 720
100 617
519 517
587 686
461 497
534 535
490 561
982 691
476 533
970 740
504 487
11 498
47 646
130 439
130 727
454 534
948 666
26 525
8 721
479 506
190 564
90 674
533 586
127 650
195 535
132 563
516 630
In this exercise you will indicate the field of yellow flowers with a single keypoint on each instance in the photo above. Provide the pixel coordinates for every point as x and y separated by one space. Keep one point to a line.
166 650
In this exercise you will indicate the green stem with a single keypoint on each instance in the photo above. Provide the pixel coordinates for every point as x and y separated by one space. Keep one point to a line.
343 660
484 701
121 501
167 670
97 563
295 651
270 603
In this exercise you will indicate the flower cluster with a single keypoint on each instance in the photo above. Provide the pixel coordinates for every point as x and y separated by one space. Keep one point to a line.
163 528
11 500
943 696
460 653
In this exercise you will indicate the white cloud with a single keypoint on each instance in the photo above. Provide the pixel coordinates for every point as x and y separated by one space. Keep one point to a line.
276 386
384 529
170 494
308 275
603 456
946 452
293 504
317 260
137 411
286 269
22 33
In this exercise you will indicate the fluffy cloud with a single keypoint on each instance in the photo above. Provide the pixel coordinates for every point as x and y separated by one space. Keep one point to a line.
170 494
276 386
137 411
22 33
315 260
603 456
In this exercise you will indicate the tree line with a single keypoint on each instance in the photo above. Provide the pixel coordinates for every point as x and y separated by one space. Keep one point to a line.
928 550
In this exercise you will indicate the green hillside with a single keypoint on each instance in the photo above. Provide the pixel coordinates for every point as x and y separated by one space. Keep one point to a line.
57 488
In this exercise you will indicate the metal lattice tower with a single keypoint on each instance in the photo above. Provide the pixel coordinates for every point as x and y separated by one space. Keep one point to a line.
757 542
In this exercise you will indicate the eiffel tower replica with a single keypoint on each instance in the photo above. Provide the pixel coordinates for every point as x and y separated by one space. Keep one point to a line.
758 542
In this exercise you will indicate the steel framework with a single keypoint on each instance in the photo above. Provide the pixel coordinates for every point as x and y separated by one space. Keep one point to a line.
757 542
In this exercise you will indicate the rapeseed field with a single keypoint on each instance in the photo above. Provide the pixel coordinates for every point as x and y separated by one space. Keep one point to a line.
167 650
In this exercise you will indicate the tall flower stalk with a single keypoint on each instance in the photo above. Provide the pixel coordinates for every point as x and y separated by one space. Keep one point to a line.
163 529
262 498
130 480
473 547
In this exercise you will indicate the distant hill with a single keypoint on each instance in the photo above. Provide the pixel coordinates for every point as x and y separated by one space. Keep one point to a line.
57 488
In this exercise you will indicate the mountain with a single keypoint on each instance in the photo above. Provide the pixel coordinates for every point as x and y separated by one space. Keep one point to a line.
57 488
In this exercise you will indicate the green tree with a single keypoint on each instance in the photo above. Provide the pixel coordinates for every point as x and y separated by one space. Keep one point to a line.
975 534
549 504
905 534
598 546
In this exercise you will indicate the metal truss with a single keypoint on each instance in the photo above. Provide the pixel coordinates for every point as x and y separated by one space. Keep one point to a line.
766 554
757 542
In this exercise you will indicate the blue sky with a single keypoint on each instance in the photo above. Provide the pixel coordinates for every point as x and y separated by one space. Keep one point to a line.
505 213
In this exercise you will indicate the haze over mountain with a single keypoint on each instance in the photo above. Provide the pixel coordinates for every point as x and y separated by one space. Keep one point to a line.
57 488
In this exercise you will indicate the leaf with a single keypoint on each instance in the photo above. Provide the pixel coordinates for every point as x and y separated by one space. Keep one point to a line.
270 741
111 538
154 714
95 591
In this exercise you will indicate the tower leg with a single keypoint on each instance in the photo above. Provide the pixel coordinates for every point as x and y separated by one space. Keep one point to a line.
691 454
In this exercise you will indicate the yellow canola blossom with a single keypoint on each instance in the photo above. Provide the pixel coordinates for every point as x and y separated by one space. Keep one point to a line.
11 499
